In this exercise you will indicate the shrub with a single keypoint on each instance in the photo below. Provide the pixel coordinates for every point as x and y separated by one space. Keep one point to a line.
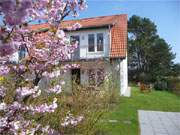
170 83
161 85
174 84
91 104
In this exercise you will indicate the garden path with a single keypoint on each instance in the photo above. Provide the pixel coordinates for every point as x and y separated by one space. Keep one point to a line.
159 123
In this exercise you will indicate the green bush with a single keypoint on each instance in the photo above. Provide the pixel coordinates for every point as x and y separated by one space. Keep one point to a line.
161 85
89 103
174 84
170 83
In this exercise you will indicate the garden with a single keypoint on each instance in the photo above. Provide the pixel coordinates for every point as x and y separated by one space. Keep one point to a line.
27 108
123 118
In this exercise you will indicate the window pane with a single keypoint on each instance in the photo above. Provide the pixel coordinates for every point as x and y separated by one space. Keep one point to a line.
22 52
91 42
73 41
100 42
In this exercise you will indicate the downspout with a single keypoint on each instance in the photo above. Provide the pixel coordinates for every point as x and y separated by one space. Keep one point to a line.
110 41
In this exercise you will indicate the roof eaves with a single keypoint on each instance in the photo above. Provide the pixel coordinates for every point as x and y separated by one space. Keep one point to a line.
90 27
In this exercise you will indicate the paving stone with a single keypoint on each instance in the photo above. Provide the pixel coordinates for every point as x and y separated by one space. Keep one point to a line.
127 122
161 134
159 123
113 121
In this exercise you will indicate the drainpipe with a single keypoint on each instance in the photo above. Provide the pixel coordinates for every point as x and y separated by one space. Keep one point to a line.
109 52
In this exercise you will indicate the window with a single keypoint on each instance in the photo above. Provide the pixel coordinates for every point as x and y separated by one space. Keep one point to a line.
96 77
22 52
74 39
100 42
91 44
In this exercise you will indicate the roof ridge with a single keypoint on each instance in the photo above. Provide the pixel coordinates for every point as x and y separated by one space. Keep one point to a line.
94 17
45 23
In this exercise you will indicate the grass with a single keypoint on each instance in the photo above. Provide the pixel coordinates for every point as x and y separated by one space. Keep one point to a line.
126 111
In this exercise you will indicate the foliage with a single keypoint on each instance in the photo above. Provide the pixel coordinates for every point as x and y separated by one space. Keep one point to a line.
45 51
125 113
92 105
149 54
161 85
174 84
175 70
171 84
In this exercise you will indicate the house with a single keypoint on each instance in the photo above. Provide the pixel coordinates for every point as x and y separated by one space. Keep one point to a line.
102 51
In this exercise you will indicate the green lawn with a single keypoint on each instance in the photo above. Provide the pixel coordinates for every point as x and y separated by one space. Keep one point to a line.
126 111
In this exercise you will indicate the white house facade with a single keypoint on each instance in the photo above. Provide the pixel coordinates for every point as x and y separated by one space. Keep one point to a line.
102 52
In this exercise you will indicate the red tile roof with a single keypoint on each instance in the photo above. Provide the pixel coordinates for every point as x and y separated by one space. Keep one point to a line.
39 26
118 30
119 37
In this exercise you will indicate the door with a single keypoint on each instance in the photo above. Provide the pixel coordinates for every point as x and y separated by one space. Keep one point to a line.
76 76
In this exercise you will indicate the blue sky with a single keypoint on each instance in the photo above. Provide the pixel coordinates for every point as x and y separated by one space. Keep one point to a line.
164 13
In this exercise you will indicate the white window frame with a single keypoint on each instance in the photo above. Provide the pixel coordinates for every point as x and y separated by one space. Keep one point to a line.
95 42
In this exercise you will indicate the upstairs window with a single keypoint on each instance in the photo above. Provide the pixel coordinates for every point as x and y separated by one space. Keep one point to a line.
91 43
74 39
100 42
22 52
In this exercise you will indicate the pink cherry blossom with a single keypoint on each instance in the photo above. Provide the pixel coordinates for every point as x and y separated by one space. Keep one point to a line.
4 70
53 74
45 50
44 107
70 120
25 91
6 49
56 89
3 106
2 91
75 26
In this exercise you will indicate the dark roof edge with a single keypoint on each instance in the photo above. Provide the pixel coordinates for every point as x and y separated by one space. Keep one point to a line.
90 27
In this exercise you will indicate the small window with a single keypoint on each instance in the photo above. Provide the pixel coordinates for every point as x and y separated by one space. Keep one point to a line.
100 42
91 45
74 39
22 52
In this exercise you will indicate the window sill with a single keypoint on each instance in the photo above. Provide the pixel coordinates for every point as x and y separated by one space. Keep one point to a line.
98 52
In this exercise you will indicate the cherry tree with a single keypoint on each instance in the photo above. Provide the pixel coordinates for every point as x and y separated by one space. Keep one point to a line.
45 51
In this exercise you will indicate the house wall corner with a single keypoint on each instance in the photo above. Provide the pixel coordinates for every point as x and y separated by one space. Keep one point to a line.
124 89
